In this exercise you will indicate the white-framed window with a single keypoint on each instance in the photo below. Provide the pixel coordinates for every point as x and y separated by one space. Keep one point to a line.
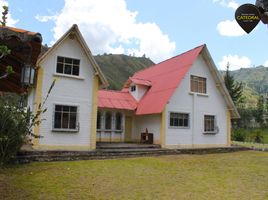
69 66
65 118
179 120
133 88
210 124
99 116
118 121
198 84
108 120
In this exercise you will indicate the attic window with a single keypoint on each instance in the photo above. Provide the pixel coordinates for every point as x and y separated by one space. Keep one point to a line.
198 84
69 66
133 88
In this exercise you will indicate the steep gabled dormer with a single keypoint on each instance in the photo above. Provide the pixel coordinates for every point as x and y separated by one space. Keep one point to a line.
137 87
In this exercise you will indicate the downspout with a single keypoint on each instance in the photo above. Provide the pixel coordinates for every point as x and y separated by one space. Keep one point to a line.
193 118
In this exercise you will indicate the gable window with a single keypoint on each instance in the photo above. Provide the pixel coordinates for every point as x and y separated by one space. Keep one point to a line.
118 121
133 88
198 84
69 66
179 120
108 120
65 118
209 123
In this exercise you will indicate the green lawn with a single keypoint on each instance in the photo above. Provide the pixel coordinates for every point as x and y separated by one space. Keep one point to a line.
240 175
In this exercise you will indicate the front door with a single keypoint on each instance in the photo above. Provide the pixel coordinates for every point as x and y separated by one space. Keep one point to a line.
128 129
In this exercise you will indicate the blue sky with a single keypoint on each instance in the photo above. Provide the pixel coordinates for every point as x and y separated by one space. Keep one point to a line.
158 29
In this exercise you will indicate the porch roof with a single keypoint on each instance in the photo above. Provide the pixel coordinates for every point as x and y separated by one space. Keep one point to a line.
116 100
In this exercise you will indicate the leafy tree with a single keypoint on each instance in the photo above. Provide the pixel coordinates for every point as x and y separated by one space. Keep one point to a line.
235 88
4 49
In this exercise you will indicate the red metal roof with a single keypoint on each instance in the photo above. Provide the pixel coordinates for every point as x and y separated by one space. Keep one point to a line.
116 99
165 78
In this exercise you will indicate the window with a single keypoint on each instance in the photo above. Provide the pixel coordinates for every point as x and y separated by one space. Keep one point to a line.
118 121
180 120
133 88
198 84
68 66
209 123
65 117
108 120
99 120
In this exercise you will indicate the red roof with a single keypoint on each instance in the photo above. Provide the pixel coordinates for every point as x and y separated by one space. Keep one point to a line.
116 99
165 78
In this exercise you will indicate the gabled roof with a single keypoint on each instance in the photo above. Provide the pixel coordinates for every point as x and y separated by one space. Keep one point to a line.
116 99
74 31
165 78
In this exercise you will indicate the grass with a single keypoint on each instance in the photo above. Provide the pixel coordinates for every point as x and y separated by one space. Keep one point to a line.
240 175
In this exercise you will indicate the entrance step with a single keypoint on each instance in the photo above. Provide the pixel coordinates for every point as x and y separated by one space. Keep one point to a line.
115 145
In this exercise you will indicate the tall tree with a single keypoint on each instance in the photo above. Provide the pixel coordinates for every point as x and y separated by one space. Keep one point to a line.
235 88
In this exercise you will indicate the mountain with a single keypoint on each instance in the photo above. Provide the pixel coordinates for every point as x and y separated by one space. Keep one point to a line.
255 81
117 68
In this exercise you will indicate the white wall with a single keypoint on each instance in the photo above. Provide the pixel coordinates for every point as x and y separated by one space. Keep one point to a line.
197 106
68 91
151 122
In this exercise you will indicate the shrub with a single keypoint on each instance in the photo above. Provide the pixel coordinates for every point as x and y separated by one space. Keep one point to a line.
238 135
257 137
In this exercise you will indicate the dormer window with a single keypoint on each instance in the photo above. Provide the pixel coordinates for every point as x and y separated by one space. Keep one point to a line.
69 66
133 88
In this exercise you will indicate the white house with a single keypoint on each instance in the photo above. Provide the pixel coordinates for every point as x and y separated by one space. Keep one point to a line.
183 101
70 119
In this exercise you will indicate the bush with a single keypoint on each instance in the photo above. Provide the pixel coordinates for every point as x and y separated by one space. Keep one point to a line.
257 137
238 135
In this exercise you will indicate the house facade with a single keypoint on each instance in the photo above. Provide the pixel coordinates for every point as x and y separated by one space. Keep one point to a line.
71 113
181 102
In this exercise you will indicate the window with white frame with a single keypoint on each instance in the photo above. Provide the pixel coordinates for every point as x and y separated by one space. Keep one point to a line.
65 118
209 123
133 88
98 120
198 84
69 66
108 120
118 121
179 120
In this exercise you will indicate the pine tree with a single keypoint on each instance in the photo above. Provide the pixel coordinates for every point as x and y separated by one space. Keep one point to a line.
235 88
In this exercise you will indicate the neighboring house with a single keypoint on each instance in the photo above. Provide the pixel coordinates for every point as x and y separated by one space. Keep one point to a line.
70 119
183 101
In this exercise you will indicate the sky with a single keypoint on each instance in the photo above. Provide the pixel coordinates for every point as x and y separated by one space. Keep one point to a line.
159 29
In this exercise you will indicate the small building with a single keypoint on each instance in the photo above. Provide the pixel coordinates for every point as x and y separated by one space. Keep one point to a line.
182 101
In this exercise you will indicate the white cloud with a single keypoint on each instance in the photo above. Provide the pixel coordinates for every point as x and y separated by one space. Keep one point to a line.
230 28
235 62
109 27
45 18
10 21
227 3
265 63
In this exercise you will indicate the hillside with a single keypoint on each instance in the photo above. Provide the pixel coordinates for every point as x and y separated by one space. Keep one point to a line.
118 67
255 82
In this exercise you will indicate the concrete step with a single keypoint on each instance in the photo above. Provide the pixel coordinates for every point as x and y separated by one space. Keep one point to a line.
106 145
45 156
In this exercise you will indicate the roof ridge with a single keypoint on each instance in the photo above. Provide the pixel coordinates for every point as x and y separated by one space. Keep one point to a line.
168 59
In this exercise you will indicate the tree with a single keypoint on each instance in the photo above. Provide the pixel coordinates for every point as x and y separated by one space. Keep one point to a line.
4 51
234 88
